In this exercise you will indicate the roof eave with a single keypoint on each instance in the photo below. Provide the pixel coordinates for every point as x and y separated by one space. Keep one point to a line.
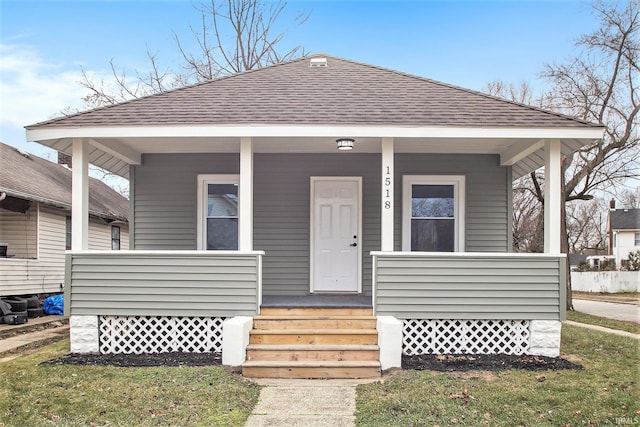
47 133
119 142
61 205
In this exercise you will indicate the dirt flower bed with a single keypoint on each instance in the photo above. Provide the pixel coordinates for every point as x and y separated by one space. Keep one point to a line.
139 360
484 362
442 363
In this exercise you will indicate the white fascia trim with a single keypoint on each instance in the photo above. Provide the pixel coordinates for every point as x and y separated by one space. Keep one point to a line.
310 131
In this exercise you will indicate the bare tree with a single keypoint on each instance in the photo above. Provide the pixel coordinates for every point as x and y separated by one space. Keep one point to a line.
527 217
522 93
630 199
599 84
234 36
587 226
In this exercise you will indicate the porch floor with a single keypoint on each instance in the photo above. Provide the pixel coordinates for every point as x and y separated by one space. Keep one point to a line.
317 301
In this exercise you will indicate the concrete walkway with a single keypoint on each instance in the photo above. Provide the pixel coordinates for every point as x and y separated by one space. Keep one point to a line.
46 329
603 329
610 310
313 403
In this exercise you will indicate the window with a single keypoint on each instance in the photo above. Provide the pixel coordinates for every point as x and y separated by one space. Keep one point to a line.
218 212
433 213
68 234
636 240
115 238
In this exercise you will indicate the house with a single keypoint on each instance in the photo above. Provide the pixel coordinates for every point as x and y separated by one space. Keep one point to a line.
35 222
575 261
260 199
607 262
624 233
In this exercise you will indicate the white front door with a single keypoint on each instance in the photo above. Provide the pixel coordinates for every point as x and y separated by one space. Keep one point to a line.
335 234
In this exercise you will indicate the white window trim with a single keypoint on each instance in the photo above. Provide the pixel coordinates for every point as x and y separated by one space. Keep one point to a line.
458 182
201 207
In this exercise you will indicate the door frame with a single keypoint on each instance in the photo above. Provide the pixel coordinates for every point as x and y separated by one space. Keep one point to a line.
313 180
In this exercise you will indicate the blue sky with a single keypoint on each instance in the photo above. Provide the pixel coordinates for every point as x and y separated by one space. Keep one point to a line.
44 44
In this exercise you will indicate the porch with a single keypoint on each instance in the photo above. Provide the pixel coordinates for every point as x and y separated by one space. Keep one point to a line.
160 301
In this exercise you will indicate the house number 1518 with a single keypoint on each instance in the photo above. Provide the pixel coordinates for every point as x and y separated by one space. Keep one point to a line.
387 190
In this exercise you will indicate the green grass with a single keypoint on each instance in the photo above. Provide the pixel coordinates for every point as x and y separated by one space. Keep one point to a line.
604 393
63 395
621 325
623 297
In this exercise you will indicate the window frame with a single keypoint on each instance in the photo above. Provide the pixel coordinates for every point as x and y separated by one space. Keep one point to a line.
203 182
68 230
458 182
119 239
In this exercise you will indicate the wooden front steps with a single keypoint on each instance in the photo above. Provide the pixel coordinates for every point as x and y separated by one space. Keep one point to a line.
313 343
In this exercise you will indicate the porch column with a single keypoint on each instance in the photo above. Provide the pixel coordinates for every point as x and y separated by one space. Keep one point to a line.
387 208
80 195
552 196
245 195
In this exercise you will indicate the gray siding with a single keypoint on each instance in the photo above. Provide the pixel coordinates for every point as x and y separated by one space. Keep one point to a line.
139 283
487 195
164 199
281 213
509 286
165 204
40 269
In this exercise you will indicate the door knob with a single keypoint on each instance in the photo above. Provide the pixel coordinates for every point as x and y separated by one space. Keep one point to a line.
353 244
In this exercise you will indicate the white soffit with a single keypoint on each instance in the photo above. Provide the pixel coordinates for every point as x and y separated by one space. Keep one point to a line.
115 148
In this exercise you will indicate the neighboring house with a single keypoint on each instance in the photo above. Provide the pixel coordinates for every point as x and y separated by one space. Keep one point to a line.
625 229
598 261
575 260
356 186
35 222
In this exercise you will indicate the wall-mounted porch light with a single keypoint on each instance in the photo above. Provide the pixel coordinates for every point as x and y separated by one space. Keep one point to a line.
345 144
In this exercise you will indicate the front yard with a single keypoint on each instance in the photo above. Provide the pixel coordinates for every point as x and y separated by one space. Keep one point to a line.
67 395
604 393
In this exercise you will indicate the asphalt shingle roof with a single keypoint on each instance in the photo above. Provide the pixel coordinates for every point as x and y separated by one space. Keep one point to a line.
343 92
625 219
33 178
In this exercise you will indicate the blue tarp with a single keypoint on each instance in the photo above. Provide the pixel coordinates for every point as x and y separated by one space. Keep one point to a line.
54 305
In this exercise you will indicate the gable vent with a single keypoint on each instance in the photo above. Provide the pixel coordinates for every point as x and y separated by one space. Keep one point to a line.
318 62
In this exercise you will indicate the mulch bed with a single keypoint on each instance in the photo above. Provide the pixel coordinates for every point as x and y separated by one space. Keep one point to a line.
485 362
140 360
442 363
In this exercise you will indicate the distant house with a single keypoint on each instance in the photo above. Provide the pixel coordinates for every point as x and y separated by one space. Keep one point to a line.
35 222
575 260
318 182
625 230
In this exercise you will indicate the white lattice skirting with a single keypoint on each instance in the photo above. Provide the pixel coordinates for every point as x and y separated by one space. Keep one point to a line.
139 334
465 336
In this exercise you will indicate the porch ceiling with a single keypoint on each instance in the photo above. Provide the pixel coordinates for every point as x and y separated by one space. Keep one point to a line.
114 149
